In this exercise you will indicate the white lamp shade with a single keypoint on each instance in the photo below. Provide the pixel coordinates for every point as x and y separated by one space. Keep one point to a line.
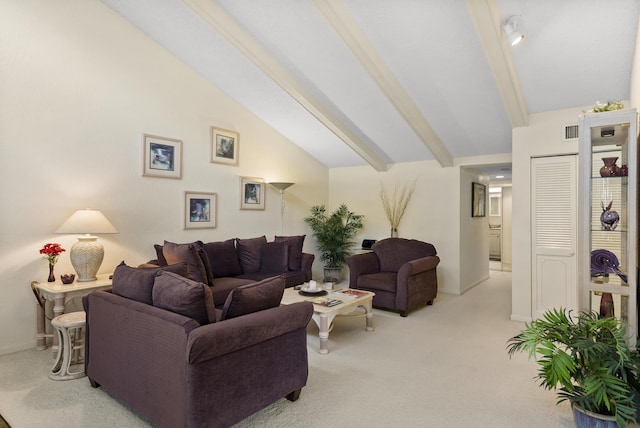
87 221
281 186
87 254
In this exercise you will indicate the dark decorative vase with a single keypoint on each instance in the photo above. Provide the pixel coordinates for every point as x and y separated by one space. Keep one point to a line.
624 170
606 306
610 169
609 218
52 277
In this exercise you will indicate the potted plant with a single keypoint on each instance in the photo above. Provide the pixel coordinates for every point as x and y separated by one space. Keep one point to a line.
590 359
334 234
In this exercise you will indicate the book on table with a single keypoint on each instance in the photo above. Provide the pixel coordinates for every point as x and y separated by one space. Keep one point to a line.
325 301
349 292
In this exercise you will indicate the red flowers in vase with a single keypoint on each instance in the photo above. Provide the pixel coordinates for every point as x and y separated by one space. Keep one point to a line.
51 253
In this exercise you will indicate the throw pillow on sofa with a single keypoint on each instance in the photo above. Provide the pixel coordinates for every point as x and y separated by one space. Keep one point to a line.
254 297
274 257
249 251
195 257
137 283
223 258
295 250
184 296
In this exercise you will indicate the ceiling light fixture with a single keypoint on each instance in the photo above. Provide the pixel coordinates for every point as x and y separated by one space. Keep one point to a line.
511 30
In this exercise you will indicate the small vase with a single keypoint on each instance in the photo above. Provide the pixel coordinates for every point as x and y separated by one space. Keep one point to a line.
52 277
610 169
394 232
606 305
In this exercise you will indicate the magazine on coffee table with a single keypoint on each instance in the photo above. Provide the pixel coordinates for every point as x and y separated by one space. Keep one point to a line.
325 301
349 292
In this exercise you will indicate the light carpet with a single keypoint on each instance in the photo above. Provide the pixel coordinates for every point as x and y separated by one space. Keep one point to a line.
443 366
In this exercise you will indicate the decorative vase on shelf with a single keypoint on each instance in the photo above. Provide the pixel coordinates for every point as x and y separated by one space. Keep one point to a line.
610 169
52 277
609 218
624 170
394 232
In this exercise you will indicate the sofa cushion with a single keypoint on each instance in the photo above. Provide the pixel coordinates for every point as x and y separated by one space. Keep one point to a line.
159 255
225 285
274 257
254 297
295 250
223 258
184 296
249 251
381 281
137 283
193 254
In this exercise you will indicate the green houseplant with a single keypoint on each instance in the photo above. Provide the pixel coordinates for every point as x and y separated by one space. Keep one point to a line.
589 357
334 235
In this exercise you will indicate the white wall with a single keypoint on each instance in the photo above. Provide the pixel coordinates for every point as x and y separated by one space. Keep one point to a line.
79 87
542 137
507 228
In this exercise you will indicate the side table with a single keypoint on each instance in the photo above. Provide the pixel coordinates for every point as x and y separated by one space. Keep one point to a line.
61 293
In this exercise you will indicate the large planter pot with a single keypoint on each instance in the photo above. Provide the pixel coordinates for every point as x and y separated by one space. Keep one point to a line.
586 419
332 274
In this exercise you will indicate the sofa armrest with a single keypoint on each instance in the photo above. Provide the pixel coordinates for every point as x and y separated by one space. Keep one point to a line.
306 264
362 264
224 337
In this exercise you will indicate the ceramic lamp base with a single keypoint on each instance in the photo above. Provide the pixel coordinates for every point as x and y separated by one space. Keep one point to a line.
86 257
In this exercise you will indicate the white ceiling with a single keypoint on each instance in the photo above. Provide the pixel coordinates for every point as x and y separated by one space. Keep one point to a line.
378 82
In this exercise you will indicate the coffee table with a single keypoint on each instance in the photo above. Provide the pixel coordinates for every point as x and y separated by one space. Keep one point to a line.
323 315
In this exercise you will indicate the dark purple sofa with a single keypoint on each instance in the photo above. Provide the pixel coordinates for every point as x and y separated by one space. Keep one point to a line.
225 265
402 273
179 372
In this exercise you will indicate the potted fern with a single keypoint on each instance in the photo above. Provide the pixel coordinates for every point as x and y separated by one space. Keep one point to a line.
334 235
589 357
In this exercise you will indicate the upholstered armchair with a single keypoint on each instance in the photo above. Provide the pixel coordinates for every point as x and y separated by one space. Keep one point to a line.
402 273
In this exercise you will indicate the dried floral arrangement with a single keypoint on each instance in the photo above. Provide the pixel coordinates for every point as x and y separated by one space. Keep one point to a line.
396 204
609 106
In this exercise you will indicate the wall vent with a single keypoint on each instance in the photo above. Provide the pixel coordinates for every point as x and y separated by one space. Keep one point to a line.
570 132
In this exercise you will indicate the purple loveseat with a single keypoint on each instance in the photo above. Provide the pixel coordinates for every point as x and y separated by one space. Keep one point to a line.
225 265
402 273
180 372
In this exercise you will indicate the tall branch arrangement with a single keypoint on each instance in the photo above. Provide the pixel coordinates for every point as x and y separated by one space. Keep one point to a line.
396 205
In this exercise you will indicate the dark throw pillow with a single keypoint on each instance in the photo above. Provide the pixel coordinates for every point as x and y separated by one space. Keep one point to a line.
295 250
193 254
274 257
254 297
184 296
223 258
249 251
137 283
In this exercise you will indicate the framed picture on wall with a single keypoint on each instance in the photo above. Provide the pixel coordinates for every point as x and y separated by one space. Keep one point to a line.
200 210
251 193
225 146
478 200
162 157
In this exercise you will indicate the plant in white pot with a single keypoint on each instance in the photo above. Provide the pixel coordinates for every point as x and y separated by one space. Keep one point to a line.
590 358
334 235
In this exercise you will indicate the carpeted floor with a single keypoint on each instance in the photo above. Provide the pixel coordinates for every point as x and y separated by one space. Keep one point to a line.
442 366
3 423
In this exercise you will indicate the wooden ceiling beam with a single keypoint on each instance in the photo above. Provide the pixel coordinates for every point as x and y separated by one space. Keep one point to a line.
224 24
343 23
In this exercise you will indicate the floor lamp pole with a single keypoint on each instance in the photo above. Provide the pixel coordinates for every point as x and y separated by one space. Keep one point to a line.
281 187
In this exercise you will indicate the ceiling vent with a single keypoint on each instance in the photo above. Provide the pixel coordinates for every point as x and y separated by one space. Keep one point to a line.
570 132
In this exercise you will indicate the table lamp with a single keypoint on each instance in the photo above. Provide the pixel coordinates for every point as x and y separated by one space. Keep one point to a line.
282 187
87 254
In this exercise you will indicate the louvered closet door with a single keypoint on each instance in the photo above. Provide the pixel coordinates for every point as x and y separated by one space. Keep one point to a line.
554 223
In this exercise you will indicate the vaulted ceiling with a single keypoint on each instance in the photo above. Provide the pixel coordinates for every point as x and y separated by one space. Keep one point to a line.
378 82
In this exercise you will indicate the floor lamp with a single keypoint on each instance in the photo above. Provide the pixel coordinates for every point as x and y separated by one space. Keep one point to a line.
282 187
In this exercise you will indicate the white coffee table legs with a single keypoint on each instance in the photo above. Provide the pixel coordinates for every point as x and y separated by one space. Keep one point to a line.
324 320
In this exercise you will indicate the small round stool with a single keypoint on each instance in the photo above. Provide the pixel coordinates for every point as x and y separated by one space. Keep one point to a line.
69 329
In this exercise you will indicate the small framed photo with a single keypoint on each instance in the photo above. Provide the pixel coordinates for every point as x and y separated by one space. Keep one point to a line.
200 210
479 200
225 146
162 157
251 193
